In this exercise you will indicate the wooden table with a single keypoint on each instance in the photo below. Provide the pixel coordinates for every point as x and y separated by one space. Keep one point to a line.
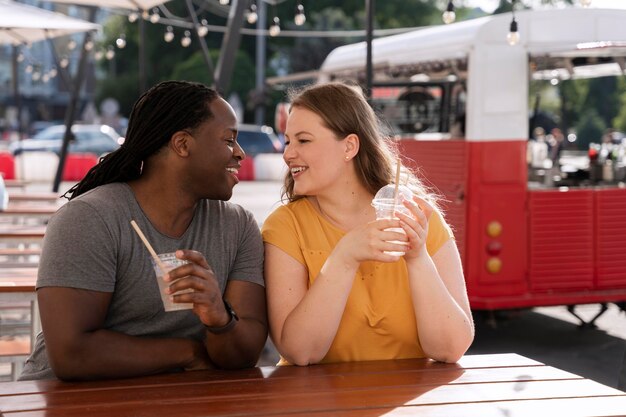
482 385
17 285
16 234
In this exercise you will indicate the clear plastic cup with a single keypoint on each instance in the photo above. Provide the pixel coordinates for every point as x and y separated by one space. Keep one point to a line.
170 261
386 206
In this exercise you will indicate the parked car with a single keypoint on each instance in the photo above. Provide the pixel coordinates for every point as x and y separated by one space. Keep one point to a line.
96 139
258 139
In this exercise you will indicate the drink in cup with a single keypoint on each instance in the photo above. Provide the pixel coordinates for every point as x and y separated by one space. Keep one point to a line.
386 205
170 261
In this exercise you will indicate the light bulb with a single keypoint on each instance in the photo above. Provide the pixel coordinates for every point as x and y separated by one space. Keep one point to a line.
121 41
28 69
449 15
36 75
110 53
71 45
224 2
554 81
53 72
45 78
300 17
20 57
252 14
513 36
169 34
186 40
203 29
64 62
275 28
585 3
132 17
154 17
89 45
98 55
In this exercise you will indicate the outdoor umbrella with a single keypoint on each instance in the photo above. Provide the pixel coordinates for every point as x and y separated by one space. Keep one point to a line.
22 24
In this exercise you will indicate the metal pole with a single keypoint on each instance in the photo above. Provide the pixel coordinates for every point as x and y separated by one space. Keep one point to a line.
259 110
203 47
16 91
230 45
70 113
370 6
142 54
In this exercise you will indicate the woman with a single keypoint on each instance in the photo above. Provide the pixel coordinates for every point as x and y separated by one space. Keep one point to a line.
334 294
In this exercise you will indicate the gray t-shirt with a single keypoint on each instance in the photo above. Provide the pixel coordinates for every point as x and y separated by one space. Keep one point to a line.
90 244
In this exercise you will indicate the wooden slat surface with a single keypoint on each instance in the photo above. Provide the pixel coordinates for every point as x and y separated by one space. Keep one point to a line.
481 385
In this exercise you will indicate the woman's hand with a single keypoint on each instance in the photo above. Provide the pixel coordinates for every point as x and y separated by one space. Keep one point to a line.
372 242
415 227
206 295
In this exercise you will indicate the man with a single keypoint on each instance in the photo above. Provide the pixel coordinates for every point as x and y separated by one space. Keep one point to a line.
101 311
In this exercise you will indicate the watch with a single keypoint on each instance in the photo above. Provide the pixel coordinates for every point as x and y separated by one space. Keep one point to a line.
231 323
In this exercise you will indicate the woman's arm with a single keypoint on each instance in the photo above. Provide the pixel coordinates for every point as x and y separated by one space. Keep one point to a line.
80 349
440 302
442 309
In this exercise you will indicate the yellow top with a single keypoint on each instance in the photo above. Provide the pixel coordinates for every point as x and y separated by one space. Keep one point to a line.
378 321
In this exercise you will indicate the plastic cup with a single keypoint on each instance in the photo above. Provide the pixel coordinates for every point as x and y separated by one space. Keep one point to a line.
170 261
386 206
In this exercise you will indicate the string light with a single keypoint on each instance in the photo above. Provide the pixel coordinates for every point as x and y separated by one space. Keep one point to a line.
45 78
89 45
64 62
98 55
53 72
169 34
203 28
132 17
449 15
20 57
252 16
28 69
71 45
155 17
121 41
110 53
275 28
513 36
36 75
186 40
300 17
224 2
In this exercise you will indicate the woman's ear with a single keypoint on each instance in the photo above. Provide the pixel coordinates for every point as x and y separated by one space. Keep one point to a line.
180 143
352 144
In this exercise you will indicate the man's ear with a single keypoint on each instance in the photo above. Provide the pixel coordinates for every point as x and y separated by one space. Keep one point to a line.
352 145
180 143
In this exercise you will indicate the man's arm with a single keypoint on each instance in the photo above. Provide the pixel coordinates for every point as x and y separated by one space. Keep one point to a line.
241 346
79 349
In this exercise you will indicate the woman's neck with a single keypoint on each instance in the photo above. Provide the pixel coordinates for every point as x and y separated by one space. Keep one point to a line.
347 209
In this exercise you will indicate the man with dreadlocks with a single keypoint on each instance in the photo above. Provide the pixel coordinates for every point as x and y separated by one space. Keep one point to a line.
101 311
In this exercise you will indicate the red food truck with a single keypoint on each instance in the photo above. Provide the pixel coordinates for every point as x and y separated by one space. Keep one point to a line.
457 96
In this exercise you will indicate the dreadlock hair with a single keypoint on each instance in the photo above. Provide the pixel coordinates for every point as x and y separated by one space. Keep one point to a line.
344 110
163 110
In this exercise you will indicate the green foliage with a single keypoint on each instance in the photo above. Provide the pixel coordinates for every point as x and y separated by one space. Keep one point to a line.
589 129
619 122
573 94
604 98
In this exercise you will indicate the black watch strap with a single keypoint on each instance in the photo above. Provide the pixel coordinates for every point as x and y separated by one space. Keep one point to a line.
231 323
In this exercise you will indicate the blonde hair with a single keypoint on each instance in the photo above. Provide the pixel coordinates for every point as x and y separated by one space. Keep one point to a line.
345 111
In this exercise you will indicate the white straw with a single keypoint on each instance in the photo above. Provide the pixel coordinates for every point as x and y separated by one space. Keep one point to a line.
149 246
